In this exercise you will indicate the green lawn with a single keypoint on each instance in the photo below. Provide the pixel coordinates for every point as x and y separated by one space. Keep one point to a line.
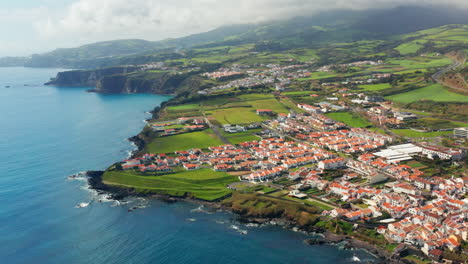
204 184
200 139
435 92
349 119
413 134
375 87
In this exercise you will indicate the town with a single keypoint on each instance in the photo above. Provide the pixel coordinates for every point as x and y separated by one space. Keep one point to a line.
425 212
340 138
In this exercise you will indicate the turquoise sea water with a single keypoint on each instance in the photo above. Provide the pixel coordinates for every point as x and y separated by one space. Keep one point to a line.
48 133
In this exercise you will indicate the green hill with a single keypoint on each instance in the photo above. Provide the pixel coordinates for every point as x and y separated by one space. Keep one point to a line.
336 26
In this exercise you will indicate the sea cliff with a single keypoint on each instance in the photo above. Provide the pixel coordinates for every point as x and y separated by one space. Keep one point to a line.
149 82
130 79
88 77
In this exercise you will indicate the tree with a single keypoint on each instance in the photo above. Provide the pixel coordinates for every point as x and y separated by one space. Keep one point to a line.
118 167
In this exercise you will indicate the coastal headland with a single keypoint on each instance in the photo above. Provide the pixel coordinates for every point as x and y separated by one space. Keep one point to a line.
364 146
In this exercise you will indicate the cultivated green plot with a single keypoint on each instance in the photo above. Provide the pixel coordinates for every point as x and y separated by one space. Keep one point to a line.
236 138
236 115
375 87
183 107
200 139
421 63
320 75
298 93
415 134
271 104
435 92
349 119
203 184
408 48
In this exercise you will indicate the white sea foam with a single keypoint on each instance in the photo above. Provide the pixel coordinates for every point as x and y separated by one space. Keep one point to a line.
82 205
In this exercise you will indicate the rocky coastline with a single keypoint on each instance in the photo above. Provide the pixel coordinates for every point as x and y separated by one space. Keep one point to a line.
321 237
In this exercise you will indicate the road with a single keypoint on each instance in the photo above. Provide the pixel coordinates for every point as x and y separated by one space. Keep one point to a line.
216 131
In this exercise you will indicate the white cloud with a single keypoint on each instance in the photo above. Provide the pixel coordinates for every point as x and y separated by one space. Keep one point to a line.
158 19
86 21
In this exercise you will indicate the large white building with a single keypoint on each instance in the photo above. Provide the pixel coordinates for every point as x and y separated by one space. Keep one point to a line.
433 152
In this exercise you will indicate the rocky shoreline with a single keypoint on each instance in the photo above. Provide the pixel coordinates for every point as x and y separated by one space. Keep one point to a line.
117 193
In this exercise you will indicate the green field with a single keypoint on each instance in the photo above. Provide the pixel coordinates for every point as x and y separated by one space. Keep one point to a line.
200 139
319 75
236 138
435 92
203 184
183 107
375 87
236 115
349 119
421 62
242 109
408 48
414 134
271 104
255 96
298 93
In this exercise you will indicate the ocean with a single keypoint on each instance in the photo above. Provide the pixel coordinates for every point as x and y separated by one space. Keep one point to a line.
49 133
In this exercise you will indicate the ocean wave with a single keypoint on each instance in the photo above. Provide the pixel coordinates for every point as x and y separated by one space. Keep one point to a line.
78 176
200 209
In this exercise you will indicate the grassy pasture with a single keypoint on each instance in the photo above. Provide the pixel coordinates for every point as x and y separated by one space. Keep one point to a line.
408 48
375 87
235 115
200 139
435 92
414 134
236 138
183 107
203 184
421 63
349 119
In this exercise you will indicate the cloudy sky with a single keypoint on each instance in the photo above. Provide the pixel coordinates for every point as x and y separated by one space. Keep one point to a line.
33 26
